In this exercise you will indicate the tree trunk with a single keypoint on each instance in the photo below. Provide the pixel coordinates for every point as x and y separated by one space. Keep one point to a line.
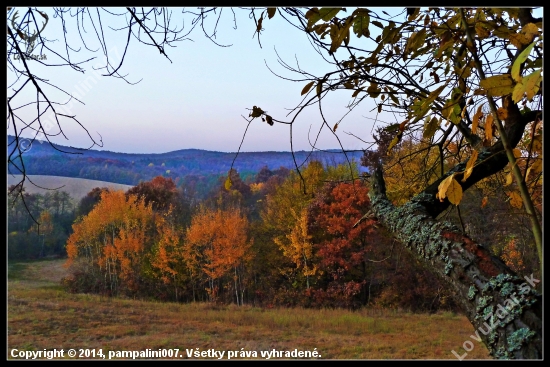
505 310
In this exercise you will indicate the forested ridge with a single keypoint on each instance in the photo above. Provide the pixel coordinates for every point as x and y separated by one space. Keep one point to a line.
199 169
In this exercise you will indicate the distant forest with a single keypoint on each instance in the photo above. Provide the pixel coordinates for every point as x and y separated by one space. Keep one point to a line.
197 170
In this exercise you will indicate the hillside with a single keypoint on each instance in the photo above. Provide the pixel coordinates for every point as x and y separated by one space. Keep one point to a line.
77 188
201 167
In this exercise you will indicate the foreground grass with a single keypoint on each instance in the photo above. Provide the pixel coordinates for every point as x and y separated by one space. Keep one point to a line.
41 315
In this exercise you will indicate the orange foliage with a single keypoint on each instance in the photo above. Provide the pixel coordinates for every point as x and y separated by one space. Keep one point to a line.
512 256
216 243
112 238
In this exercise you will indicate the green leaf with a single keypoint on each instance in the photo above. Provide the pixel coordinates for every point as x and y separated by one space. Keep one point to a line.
430 127
394 98
520 60
328 13
498 85
421 107
361 25
307 87
392 127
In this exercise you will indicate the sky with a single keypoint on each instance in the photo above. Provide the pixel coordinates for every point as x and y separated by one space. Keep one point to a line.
198 99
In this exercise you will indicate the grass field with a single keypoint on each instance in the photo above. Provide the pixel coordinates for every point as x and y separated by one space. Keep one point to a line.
41 315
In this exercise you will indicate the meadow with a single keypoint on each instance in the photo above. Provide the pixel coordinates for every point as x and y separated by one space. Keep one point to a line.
42 315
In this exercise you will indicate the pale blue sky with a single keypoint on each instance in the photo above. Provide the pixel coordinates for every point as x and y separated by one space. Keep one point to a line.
197 101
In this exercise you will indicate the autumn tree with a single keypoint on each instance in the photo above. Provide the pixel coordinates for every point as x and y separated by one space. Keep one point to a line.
107 246
217 249
167 257
284 222
341 246
165 197
88 202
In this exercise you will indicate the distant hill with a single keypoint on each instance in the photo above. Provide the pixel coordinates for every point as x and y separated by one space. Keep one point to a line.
77 188
199 168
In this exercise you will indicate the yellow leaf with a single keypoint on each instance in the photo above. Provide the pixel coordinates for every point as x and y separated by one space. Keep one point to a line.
517 152
519 61
393 142
340 35
477 116
481 31
515 199
470 166
484 202
498 85
480 92
537 144
335 127
454 192
509 179
307 87
535 167
532 83
228 183
525 36
529 84
416 40
489 127
443 186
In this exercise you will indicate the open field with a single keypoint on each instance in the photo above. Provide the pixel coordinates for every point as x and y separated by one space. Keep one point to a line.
41 315
77 188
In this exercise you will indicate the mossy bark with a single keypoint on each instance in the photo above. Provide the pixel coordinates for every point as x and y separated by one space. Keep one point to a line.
505 310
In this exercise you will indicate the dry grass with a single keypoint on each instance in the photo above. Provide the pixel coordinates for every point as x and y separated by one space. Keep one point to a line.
41 315
77 188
